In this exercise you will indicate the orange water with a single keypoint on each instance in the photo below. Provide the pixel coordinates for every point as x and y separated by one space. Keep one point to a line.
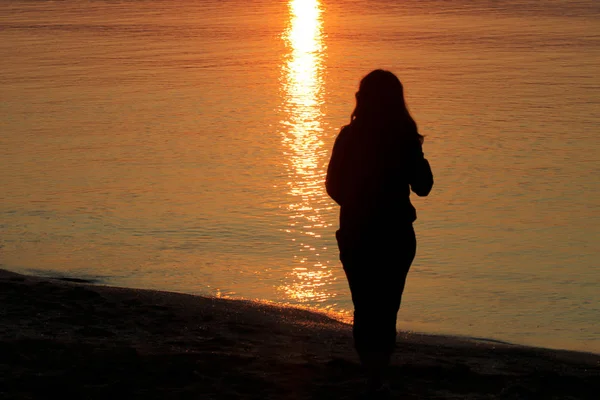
182 146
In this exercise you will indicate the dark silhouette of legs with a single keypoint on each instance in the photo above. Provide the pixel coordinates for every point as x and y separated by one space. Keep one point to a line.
376 273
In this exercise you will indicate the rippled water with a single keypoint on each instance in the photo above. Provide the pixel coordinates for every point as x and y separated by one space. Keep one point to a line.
183 146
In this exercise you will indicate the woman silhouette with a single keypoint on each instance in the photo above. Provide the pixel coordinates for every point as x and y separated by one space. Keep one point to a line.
376 160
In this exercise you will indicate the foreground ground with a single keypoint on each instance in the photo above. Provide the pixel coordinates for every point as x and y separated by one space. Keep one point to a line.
74 340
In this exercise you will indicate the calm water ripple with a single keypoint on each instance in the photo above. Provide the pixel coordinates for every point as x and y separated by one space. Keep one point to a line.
184 146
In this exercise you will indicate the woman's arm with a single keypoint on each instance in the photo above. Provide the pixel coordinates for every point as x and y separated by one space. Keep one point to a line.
335 178
420 175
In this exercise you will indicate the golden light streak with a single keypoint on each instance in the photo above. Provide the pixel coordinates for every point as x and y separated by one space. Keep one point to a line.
302 85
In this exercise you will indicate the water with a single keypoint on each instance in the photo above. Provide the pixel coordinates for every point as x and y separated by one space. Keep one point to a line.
183 146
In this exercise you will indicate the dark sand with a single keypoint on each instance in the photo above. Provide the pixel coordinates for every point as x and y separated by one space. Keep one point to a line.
61 339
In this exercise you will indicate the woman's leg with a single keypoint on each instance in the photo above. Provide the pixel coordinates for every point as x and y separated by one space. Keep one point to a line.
376 278
376 304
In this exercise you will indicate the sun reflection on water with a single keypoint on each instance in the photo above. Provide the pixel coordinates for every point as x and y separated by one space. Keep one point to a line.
302 87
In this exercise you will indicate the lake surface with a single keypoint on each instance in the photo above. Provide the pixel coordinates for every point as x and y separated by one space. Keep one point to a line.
183 146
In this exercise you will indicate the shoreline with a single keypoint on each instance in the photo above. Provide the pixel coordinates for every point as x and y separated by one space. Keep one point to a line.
68 336
344 316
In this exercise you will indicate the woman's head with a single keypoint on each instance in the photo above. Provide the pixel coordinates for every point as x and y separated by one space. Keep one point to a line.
380 102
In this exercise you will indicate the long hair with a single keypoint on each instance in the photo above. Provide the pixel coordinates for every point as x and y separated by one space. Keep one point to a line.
380 106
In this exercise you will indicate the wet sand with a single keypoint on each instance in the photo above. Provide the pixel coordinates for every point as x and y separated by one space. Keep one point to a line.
77 340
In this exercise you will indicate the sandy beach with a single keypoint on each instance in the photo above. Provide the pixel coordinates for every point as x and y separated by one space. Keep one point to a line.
69 339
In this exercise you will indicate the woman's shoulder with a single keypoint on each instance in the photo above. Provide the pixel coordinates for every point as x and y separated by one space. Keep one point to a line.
344 135
345 130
